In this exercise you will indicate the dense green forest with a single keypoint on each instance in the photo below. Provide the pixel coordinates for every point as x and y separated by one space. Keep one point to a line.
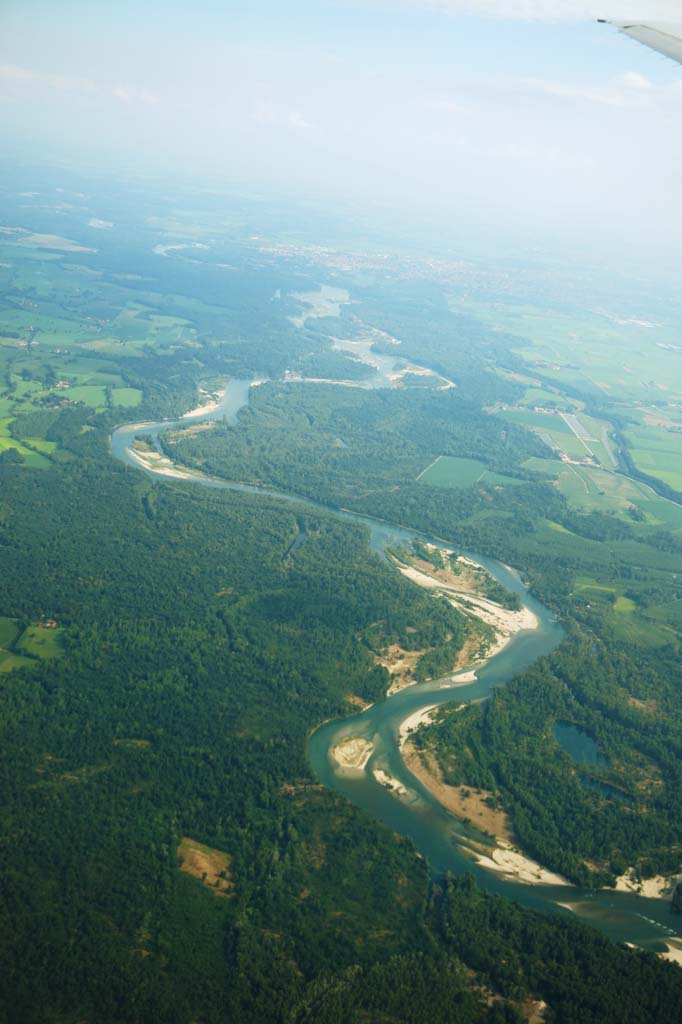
165 652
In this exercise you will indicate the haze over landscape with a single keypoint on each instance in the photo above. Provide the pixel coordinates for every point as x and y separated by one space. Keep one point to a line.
469 116
340 514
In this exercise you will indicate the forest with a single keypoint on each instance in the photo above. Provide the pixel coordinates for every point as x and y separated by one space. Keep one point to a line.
201 635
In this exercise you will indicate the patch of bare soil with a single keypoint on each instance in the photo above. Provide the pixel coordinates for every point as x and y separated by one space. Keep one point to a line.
210 866
463 802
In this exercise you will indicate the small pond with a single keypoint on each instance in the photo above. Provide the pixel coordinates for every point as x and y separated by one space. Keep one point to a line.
578 744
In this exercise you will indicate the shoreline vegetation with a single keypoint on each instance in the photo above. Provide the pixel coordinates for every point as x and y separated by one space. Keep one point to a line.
211 400
468 806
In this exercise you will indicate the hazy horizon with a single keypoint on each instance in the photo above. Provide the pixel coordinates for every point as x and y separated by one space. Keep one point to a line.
469 117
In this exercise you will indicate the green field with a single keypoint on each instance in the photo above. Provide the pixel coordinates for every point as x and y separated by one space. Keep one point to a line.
555 431
552 429
21 651
619 357
34 459
658 452
9 662
126 397
548 399
40 643
595 490
448 471
92 395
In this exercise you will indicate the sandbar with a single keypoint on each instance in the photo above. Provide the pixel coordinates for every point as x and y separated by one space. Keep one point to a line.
353 753
413 721
659 887
510 862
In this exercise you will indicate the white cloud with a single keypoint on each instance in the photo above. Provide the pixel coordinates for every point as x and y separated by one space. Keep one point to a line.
128 94
628 90
10 72
266 112
296 120
559 10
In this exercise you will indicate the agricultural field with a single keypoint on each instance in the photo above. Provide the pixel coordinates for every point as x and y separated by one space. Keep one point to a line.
625 359
535 396
30 449
589 489
448 471
575 434
67 337
647 629
657 450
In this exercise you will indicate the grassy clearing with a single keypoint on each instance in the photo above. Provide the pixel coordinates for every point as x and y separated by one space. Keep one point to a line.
210 866
10 661
658 452
93 395
547 467
39 642
126 397
669 614
628 623
555 431
33 459
640 631
535 396
540 421
42 446
448 471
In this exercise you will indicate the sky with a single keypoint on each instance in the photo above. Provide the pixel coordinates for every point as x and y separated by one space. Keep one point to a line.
523 118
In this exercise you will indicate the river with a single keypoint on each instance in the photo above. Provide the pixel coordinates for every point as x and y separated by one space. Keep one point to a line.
438 836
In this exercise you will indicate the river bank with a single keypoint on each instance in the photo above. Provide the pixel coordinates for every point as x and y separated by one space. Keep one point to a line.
461 592
160 465
211 401
473 807
659 887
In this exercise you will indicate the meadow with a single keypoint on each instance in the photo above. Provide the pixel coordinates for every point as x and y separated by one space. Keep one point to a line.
451 471
25 647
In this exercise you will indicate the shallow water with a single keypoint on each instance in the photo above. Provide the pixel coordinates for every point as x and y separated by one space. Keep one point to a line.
578 744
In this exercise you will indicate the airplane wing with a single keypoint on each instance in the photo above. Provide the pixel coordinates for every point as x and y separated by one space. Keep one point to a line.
662 36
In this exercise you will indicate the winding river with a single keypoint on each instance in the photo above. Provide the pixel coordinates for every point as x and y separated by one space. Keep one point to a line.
414 812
